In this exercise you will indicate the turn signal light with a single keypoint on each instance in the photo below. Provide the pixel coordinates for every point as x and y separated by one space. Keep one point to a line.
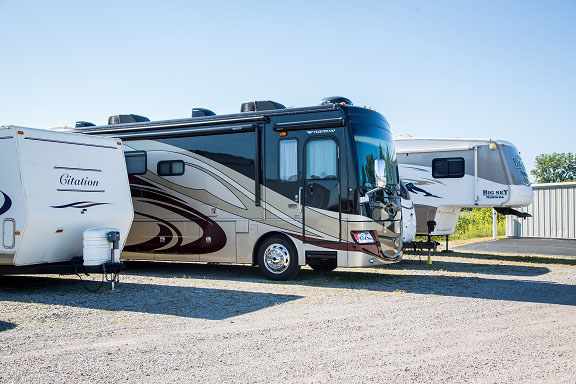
283 134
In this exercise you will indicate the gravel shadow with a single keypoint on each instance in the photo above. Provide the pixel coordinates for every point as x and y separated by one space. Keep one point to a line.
470 267
503 257
183 301
4 326
426 284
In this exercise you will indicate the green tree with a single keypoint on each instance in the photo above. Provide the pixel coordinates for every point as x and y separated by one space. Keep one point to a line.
555 167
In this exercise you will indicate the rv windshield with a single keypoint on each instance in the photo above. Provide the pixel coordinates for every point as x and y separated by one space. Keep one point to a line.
374 141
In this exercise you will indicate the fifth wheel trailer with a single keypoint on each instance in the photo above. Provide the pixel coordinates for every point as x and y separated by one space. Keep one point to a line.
271 186
55 186
445 175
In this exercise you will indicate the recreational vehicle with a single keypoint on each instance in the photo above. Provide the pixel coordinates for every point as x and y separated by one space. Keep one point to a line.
444 175
271 186
56 188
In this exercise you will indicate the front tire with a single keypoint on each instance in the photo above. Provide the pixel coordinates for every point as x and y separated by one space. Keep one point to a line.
278 258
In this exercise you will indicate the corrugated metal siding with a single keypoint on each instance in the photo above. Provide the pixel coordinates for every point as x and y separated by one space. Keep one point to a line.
553 213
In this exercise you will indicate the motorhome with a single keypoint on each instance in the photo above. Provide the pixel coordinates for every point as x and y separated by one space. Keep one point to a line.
271 186
56 186
444 175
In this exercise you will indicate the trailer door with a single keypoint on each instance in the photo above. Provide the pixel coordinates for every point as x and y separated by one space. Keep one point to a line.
321 190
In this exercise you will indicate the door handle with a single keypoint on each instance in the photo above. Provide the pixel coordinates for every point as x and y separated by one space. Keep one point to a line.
300 198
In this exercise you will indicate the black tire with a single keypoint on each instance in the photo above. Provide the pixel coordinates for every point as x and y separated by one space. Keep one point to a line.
278 258
323 265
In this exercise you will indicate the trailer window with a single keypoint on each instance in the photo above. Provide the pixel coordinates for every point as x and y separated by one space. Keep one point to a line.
288 160
452 167
321 159
171 168
136 163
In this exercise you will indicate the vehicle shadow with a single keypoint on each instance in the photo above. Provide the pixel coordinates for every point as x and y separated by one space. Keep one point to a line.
5 326
513 258
470 267
183 301
519 290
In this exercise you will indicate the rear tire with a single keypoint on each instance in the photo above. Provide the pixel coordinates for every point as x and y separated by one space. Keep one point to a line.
278 258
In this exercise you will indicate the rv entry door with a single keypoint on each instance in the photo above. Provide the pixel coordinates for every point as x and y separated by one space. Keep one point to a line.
321 190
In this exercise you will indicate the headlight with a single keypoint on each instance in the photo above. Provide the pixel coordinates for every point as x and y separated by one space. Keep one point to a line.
364 237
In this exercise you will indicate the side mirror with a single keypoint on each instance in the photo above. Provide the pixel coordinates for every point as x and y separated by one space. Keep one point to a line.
380 171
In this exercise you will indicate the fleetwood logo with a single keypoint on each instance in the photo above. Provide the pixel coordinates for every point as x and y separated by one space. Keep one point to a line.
321 131
66 179
6 204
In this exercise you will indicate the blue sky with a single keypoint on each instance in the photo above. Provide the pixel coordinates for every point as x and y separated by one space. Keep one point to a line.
501 69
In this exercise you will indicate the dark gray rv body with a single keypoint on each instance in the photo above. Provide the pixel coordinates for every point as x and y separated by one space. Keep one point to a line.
273 187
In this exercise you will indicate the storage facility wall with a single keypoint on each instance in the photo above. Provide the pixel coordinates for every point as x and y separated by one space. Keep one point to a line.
553 213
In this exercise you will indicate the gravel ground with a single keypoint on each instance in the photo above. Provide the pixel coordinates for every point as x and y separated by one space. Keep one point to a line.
466 318
523 246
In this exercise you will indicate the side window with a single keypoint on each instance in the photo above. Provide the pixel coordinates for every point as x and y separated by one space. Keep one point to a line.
450 167
171 168
321 159
135 163
288 160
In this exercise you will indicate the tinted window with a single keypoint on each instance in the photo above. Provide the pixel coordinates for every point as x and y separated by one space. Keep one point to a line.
321 159
135 163
448 167
171 168
235 150
288 160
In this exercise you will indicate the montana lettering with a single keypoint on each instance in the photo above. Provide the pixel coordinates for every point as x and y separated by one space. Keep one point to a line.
66 179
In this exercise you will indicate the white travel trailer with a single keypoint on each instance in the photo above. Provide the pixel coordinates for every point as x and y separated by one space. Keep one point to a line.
445 175
54 187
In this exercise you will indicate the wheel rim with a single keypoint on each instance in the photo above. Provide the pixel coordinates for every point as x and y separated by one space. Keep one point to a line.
276 258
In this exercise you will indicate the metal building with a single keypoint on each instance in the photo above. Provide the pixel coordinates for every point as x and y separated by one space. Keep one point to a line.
553 213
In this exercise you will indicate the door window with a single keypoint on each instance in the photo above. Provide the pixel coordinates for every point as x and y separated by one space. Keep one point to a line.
288 160
321 159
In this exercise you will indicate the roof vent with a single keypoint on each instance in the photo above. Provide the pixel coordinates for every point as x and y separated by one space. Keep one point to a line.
201 112
124 119
257 106
335 100
82 124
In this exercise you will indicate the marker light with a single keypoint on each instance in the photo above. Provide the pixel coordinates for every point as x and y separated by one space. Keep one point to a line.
283 134
493 146
363 237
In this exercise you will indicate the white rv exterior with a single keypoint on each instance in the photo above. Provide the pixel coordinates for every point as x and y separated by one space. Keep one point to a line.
408 215
445 175
55 185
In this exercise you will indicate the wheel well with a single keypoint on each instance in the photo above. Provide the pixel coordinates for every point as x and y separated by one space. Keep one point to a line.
264 238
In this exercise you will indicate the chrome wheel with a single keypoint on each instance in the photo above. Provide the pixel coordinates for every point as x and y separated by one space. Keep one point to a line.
276 258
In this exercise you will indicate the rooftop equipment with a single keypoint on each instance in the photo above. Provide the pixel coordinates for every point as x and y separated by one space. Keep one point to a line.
202 112
125 119
335 100
257 106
